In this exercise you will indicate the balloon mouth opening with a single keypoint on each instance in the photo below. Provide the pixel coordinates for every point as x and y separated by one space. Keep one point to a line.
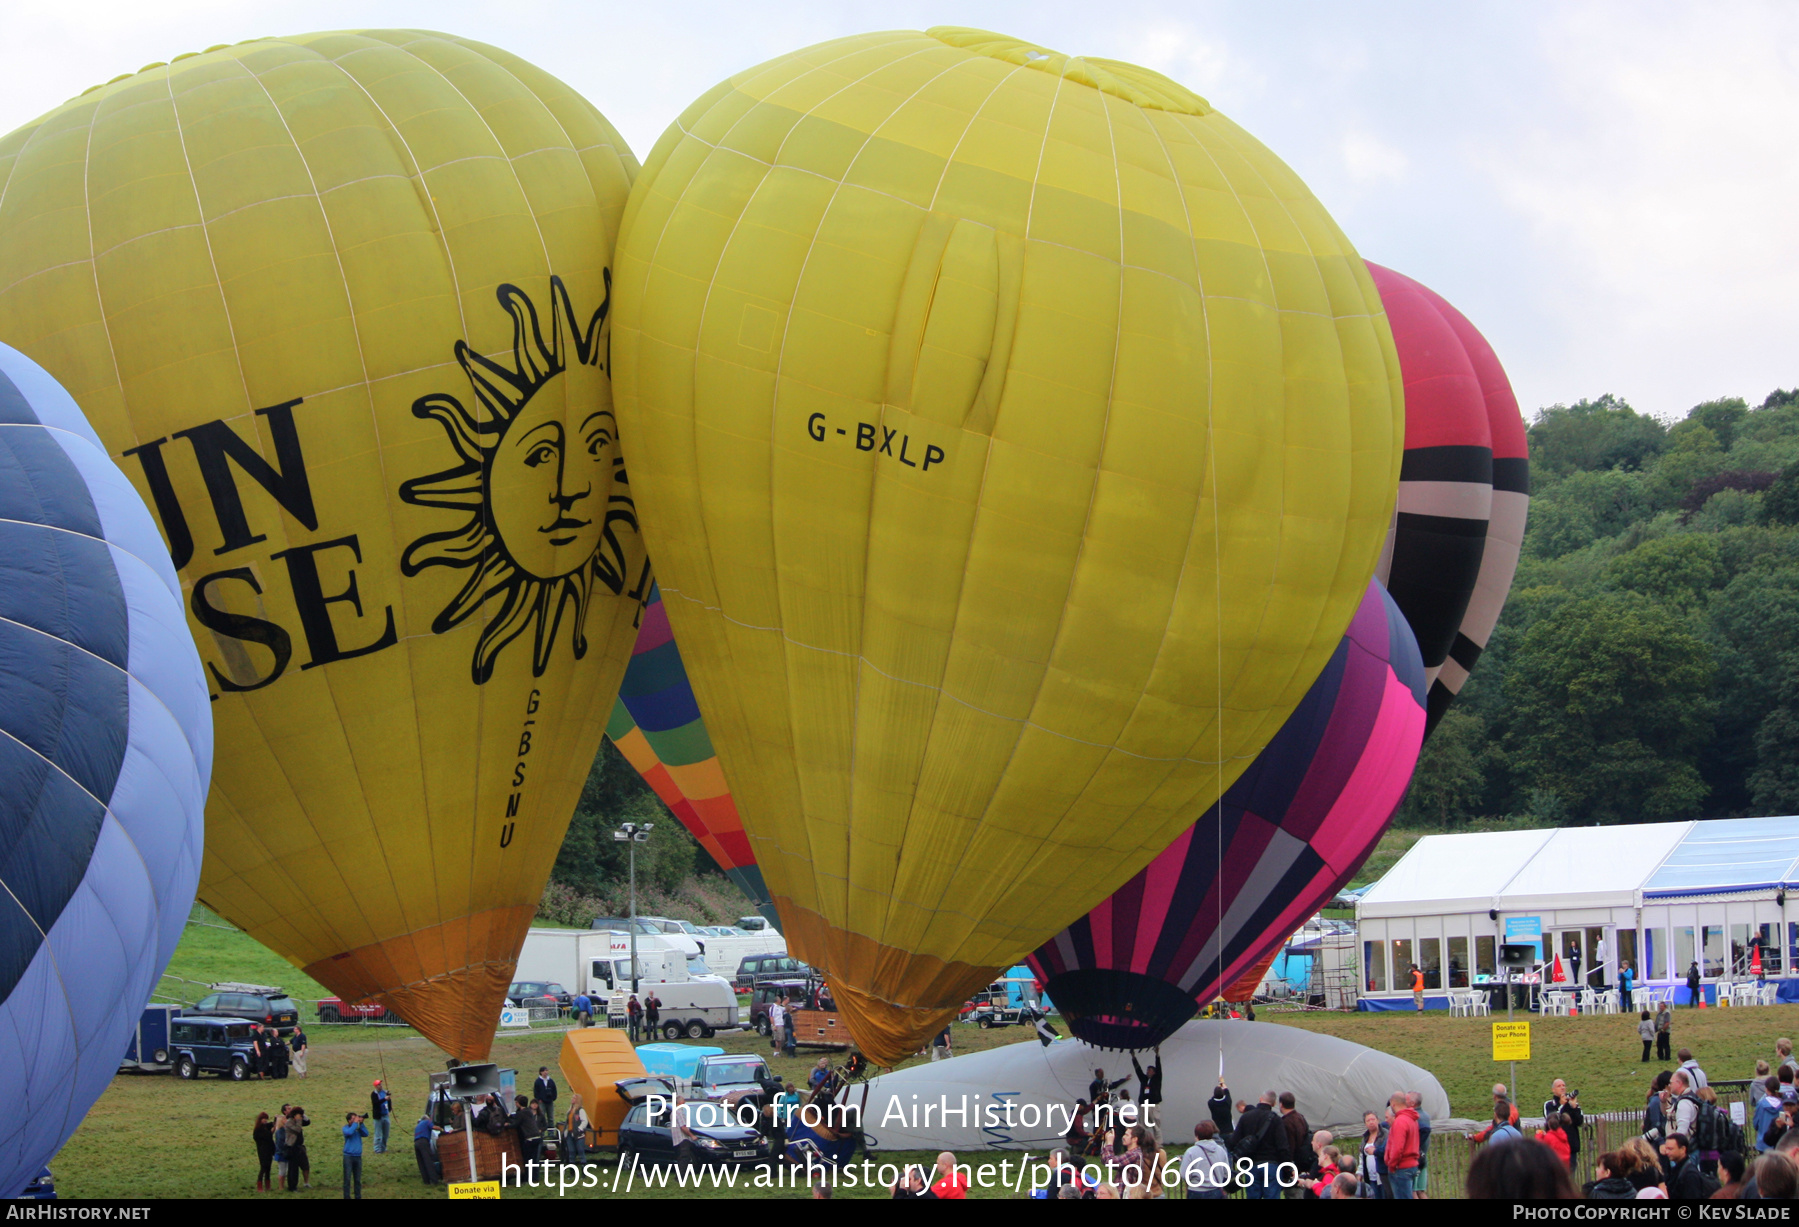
1119 1009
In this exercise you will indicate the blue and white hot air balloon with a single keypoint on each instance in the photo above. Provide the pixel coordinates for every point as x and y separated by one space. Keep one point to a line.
105 754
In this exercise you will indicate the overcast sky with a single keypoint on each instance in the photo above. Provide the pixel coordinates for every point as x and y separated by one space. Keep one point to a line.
1609 191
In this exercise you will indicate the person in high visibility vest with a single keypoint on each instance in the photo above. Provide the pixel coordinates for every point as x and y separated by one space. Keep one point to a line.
1417 988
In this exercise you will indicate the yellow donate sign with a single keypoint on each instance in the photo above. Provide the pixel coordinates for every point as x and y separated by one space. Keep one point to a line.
485 1190
1511 1041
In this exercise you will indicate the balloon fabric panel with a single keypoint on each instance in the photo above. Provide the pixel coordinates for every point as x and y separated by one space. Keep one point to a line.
656 725
338 305
105 750
1016 436
1505 530
1290 832
1446 479
1464 485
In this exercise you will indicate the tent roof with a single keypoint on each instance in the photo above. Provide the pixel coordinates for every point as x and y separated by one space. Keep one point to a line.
1593 866
1573 867
1452 873
1731 854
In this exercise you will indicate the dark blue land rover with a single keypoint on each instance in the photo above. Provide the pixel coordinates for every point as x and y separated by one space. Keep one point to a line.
222 1045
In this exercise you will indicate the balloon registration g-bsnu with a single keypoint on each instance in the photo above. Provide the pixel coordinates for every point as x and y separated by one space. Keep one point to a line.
105 748
338 305
1015 437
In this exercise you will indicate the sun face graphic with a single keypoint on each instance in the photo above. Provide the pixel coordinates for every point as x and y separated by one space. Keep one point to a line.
540 485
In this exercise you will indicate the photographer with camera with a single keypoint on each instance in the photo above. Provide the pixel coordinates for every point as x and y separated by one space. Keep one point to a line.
354 1131
1568 1106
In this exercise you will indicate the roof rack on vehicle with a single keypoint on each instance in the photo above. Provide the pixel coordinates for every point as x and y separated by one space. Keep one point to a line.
232 986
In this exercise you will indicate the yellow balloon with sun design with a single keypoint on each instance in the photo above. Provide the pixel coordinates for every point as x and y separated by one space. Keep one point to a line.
339 304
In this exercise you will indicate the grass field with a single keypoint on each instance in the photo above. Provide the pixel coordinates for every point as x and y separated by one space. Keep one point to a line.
155 1136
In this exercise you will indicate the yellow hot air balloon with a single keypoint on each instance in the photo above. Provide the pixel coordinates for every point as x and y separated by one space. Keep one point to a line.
1015 437
338 304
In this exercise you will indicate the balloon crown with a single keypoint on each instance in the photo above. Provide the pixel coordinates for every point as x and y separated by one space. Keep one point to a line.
1136 85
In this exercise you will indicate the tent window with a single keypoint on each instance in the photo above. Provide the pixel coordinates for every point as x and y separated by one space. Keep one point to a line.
1684 954
1655 954
1739 950
1714 951
1627 953
1486 958
1769 940
1402 964
1458 962
1374 958
1430 961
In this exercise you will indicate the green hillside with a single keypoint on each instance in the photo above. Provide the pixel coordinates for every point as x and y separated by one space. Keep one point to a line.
1647 664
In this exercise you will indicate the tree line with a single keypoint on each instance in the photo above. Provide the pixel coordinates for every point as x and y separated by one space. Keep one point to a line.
1646 667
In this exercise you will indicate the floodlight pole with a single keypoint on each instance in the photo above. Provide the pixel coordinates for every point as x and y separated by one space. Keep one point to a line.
631 851
631 834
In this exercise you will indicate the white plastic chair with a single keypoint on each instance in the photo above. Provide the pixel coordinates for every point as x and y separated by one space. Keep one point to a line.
1479 1004
1769 993
1458 1004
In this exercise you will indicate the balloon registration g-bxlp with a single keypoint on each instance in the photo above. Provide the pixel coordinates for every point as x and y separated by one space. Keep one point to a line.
1015 437
338 305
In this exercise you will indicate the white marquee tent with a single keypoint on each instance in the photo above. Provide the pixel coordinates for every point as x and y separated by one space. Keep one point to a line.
1658 896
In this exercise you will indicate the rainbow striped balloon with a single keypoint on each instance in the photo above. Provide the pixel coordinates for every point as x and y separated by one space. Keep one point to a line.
656 725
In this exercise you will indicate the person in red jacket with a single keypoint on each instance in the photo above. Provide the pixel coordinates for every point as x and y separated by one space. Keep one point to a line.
1554 1134
951 1184
1402 1147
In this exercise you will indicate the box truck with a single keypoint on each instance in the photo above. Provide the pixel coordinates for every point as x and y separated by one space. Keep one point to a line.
598 963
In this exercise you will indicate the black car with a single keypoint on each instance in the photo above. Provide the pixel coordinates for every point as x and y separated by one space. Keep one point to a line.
658 1129
544 994
222 1045
758 967
269 1006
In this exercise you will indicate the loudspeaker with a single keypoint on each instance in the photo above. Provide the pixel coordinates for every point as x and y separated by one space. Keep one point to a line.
474 1081
1520 956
